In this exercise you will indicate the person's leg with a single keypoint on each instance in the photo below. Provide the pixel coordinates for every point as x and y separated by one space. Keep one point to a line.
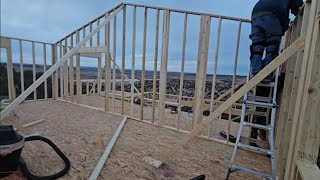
272 49
274 34
258 45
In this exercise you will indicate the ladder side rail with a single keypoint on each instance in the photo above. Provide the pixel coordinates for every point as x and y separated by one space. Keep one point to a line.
243 114
271 131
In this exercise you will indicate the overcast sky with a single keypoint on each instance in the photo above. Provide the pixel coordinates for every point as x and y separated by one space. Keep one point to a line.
50 20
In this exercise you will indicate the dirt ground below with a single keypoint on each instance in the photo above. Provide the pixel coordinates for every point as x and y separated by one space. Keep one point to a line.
83 134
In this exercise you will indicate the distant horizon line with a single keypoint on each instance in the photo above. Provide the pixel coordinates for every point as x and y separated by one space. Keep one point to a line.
89 67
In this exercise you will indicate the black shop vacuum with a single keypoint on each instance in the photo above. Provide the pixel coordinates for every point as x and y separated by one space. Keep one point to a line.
11 145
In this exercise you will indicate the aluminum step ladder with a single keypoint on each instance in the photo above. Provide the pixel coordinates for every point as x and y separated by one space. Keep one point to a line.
262 102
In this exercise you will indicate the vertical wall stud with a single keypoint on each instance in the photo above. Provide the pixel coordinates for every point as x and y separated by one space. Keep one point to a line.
198 101
234 75
133 58
114 63
98 34
90 26
123 58
164 66
55 77
21 66
215 68
143 73
44 70
79 84
99 76
71 71
65 67
155 69
11 88
34 70
107 66
182 67
61 71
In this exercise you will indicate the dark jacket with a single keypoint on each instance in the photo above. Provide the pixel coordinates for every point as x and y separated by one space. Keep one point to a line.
280 8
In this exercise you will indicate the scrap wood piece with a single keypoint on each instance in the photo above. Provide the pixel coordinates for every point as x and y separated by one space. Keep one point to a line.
107 152
291 50
33 123
153 162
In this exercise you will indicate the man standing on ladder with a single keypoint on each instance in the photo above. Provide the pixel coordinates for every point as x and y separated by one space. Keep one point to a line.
270 20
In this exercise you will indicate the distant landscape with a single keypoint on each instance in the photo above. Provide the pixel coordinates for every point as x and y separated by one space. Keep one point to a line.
223 83
91 73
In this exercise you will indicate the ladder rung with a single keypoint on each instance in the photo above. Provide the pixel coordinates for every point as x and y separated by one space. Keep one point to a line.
259 98
257 113
271 84
267 151
260 104
241 168
256 125
253 140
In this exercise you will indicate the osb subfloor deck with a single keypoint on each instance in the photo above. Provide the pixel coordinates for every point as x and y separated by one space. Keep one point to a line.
83 135
169 118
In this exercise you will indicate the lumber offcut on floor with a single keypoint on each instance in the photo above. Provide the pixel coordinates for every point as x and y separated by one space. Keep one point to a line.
83 135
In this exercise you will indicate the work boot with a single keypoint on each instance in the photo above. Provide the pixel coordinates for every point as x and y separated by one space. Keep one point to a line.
254 144
268 79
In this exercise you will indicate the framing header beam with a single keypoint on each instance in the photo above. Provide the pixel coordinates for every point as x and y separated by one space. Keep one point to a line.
98 49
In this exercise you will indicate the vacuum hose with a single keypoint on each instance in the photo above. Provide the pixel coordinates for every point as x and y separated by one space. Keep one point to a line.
30 176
